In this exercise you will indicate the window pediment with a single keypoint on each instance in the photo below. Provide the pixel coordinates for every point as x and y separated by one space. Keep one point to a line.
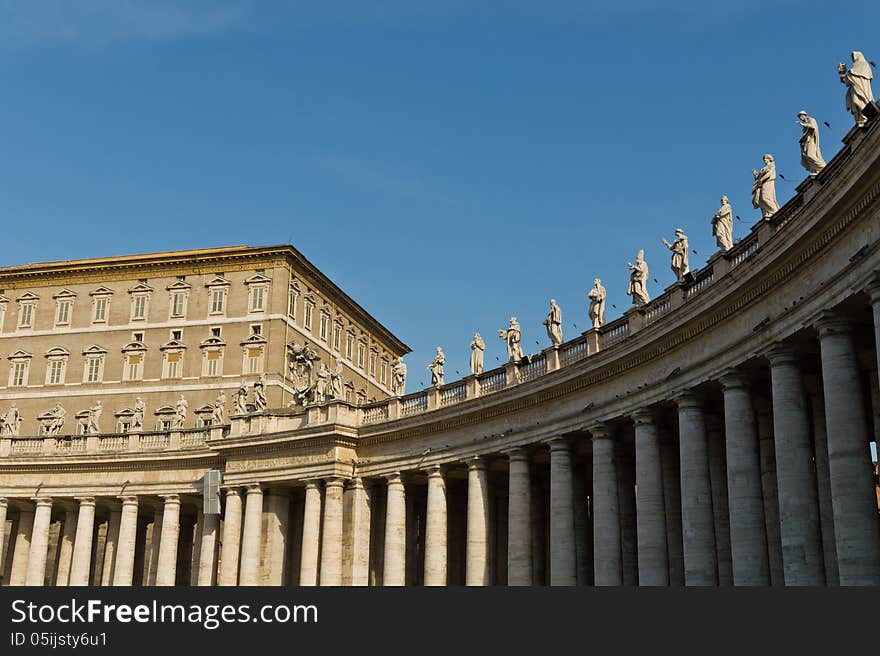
94 349
254 340
165 410
141 288
57 352
102 291
20 354
212 342
3 299
174 344
218 282
64 294
124 413
258 278
179 286
134 346
205 410
27 296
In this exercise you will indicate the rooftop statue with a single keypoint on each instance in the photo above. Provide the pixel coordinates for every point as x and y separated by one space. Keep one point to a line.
478 347
858 86
56 423
241 400
140 411
95 412
322 383
811 156
398 377
336 380
764 188
679 250
638 280
722 225
260 402
597 296
11 421
513 337
553 323
219 415
436 368
180 409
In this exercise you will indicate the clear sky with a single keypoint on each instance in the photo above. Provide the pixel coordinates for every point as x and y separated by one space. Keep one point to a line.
448 163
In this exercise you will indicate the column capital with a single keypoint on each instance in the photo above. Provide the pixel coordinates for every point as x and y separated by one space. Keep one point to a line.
517 453
334 481
601 431
313 484
232 492
43 502
831 323
85 501
476 462
4 502
873 288
559 443
128 500
732 379
780 354
688 400
394 478
644 417
356 483
253 488
435 471
170 499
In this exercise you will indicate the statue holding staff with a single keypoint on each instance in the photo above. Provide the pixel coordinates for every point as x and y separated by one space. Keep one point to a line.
679 248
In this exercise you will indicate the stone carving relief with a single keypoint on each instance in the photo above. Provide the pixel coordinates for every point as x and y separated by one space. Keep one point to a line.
300 365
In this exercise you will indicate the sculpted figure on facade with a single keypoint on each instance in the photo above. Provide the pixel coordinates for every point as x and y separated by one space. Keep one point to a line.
180 410
638 280
218 417
679 248
336 381
597 296
553 323
722 225
260 402
811 155
241 400
513 337
94 426
11 421
478 348
56 422
436 368
301 366
137 418
858 86
322 383
398 377
764 188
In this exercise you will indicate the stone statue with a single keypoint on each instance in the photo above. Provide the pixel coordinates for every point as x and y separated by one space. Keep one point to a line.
722 225
398 377
679 248
553 323
321 384
180 409
597 296
811 156
858 86
336 380
478 347
55 425
94 426
241 400
260 402
436 368
638 280
11 421
140 410
764 188
513 337
218 418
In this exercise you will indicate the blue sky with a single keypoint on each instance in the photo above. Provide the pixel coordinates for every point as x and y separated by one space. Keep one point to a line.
449 164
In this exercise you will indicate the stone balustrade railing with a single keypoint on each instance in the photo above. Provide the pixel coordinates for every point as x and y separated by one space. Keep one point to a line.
72 445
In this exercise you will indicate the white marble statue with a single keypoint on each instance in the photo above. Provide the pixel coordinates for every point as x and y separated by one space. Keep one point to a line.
478 348
137 419
722 225
11 421
241 400
553 323
55 425
597 296
679 248
858 86
638 280
180 410
335 388
513 337
811 155
322 383
260 402
398 377
95 412
764 188
218 417
436 367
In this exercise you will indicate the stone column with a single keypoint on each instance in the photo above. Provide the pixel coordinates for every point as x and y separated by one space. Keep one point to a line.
22 549
207 570
766 450
311 536
357 507
65 548
852 486
802 558
519 519
672 503
4 505
251 540
127 539
110 548
394 565
435 529
231 538
747 536
563 557
696 493
477 550
166 572
331 542
36 567
650 506
606 511
276 541
720 502
82 546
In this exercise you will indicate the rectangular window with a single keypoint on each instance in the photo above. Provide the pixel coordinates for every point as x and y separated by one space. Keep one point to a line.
100 315
19 374
134 366
217 298
94 368
373 359
362 354
172 365
123 426
383 372
291 304
139 307
178 304
2 315
55 372
254 360
138 337
258 297
212 363
26 315
325 326
307 322
177 335
215 332
163 425
63 316
349 346
337 336
256 329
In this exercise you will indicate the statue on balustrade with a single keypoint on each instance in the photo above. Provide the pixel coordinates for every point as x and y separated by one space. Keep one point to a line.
638 280
478 348
322 383
180 410
764 188
398 377
301 365
137 418
858 86
722 225
260 402
95 412
597 296
553 323
11 421
336 381
56 423
513 337
218 417
436 368
811 155
679 248
241 400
